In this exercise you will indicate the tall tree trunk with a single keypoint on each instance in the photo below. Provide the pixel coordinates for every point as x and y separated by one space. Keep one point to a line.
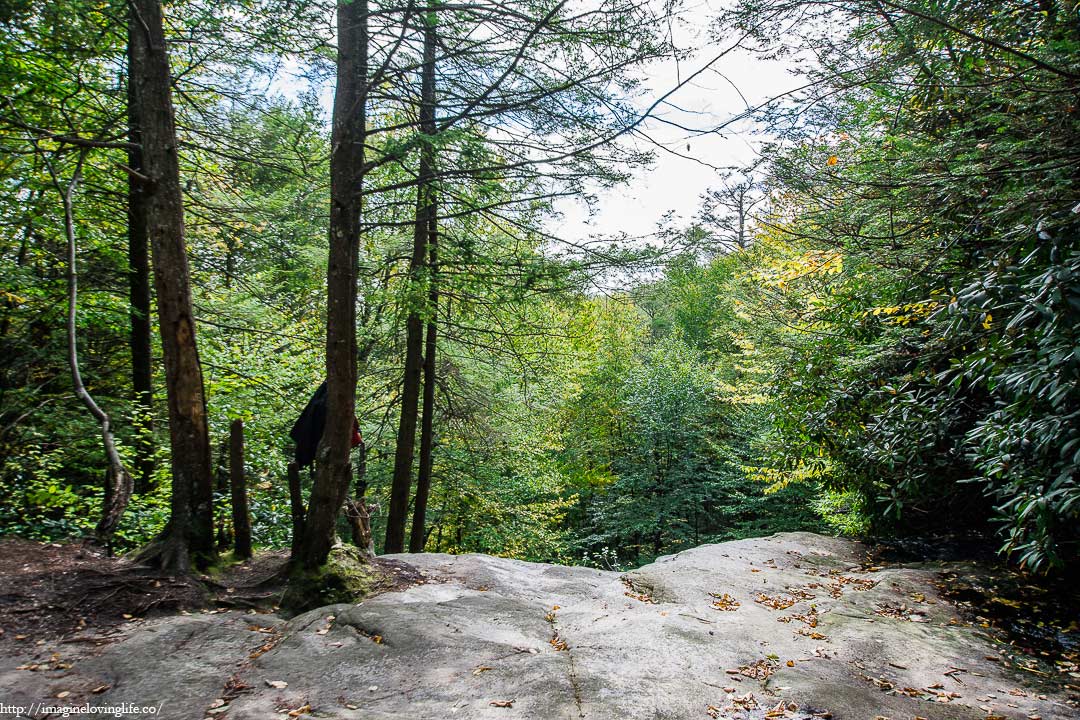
139 298
190 532
118 481
346 175
414 328
427 422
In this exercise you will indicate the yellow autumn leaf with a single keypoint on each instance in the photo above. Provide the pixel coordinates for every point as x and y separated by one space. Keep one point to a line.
832 160
986 321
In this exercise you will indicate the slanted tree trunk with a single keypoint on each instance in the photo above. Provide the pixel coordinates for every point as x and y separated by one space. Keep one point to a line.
414 328
189 534
139 299
241 520
418 537
346 174
118 482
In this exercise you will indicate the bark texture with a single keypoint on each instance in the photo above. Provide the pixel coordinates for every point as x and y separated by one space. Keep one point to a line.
190 531
333 471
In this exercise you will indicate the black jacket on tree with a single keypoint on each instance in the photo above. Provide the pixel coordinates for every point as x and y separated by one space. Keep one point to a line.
308 428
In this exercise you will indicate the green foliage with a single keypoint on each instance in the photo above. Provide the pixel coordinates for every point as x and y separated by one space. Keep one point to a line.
931 382
1025 445
844 512
676 431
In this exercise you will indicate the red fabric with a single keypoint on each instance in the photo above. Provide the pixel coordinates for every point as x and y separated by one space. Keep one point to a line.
356 439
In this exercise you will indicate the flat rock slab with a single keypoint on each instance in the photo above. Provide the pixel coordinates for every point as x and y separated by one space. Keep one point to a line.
790 626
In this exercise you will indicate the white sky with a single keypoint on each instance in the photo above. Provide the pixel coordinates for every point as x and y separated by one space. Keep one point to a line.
676 183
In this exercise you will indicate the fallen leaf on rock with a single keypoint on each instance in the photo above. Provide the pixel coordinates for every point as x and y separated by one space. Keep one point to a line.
640 597
262 649
776 603
302 710
502 703
810 618
234 686
635 593
63 694
480 669
724 602
800 594
745 702
100 689
216 703
760 670
277 684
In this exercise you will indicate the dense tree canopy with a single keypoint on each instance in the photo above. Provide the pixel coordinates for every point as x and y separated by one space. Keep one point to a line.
871 329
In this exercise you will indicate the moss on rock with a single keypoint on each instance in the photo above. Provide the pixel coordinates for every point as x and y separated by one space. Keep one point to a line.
347 577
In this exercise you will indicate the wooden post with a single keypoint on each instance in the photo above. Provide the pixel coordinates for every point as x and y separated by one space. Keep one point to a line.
357 510
296 502
241 519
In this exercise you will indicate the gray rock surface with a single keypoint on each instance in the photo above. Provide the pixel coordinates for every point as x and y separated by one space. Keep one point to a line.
791 626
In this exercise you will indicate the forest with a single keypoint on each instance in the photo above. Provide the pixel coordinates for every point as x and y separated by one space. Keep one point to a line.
208 209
